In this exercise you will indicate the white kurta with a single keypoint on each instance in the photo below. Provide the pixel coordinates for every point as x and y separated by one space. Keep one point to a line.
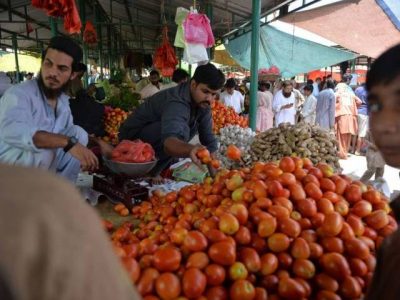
309 109
236 100
284 115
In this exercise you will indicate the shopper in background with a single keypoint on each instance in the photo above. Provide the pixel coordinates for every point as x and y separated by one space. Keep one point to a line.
383 81
316 87
308 111
283 104
345 118
362 117
375 161
179 76
231 97
153 87
325 111
265 114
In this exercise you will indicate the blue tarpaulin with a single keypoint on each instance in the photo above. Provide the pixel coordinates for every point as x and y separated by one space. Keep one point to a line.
292 55
392 9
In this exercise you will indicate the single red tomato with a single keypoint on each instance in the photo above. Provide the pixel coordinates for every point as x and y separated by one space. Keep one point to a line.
303 268
223 253
300 248
193 283
195 241
167 259
250 258
168 286
242 290
215 274
269 264
326 282
197 260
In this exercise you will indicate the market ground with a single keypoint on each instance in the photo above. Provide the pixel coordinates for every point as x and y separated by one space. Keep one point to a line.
355 166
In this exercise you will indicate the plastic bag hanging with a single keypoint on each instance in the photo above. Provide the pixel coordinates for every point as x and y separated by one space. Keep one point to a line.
197 30
62 8
180 16
164 57
90 34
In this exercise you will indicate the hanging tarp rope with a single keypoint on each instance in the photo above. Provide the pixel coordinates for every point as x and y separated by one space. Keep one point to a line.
292 55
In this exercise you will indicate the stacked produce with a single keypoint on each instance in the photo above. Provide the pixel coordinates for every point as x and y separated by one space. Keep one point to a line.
241 138
113 119
224 116
276 231
302 139
133 152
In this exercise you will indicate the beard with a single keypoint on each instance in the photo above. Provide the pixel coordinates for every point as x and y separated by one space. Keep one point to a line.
52 93
286 95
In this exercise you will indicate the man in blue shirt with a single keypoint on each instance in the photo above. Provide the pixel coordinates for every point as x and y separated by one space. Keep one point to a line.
36 125
361 92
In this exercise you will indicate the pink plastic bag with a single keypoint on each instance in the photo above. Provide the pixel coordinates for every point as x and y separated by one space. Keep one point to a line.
198 30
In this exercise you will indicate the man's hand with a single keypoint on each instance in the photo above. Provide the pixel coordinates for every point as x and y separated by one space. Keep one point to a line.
193 155
86 157
105 148
286 106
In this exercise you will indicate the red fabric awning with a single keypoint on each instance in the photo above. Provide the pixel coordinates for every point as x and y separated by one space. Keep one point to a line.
358 25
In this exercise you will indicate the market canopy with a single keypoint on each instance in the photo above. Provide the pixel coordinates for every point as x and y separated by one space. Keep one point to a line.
292 55
359 25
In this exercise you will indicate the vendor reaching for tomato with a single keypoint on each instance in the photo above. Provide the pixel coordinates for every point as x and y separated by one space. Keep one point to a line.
171 118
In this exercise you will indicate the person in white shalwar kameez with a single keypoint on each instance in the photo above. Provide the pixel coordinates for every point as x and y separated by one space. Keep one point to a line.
284 105
310 104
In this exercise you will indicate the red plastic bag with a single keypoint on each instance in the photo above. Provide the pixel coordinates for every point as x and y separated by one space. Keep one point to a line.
90 34
164 57
133 152
198 30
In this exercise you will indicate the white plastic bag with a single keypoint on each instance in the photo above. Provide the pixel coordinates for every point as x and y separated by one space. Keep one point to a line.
195 53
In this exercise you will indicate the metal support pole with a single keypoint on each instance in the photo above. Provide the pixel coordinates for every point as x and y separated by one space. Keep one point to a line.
82 13
53 26
209 12
15 48
99 37
255 43
190 70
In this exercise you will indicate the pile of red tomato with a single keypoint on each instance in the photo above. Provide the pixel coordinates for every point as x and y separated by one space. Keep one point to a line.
113 118
286 230
224 116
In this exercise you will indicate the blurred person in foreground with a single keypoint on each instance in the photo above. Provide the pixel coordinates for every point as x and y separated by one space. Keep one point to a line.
383 87
53 245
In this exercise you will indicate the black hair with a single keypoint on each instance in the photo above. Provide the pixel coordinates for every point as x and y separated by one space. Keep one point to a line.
179 75
154 72
385 68
330 84
69 47
318 78
310 81
267 85
309 87
81 68
230 83
210 76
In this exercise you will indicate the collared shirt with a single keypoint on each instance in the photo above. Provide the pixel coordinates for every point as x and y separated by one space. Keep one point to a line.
24 110
149 90
325 112
361 92
236 100
178 117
